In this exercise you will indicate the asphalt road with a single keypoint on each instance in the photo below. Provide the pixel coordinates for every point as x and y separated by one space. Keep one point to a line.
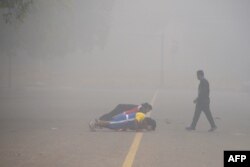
50 128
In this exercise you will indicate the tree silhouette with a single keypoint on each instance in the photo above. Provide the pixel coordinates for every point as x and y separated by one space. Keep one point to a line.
14 9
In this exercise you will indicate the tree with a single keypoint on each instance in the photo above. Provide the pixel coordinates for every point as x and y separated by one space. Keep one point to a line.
14 9
52 27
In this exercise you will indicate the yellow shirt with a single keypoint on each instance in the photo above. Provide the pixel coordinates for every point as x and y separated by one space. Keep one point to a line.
139 116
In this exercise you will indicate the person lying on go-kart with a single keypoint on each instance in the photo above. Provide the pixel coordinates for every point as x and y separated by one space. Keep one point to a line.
126 109
132 120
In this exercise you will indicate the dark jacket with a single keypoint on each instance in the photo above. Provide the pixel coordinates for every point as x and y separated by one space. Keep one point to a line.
203 91
117 110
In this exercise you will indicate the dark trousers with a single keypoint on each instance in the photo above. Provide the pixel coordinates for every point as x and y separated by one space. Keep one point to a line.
203 106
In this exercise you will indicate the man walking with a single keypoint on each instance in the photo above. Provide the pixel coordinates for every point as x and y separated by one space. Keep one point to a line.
202 103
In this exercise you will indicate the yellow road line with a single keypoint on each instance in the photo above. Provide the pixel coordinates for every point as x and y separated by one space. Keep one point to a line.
132 151
137 140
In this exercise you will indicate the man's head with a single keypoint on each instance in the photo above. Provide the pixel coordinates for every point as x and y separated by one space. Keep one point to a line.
145 107
200 74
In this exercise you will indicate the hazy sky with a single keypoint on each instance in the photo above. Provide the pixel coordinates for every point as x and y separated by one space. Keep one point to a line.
118 41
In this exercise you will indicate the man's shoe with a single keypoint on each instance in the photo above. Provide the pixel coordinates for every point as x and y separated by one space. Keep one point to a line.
212 129
92 125
190 128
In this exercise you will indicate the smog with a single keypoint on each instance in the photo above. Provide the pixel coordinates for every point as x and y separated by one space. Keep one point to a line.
66 63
